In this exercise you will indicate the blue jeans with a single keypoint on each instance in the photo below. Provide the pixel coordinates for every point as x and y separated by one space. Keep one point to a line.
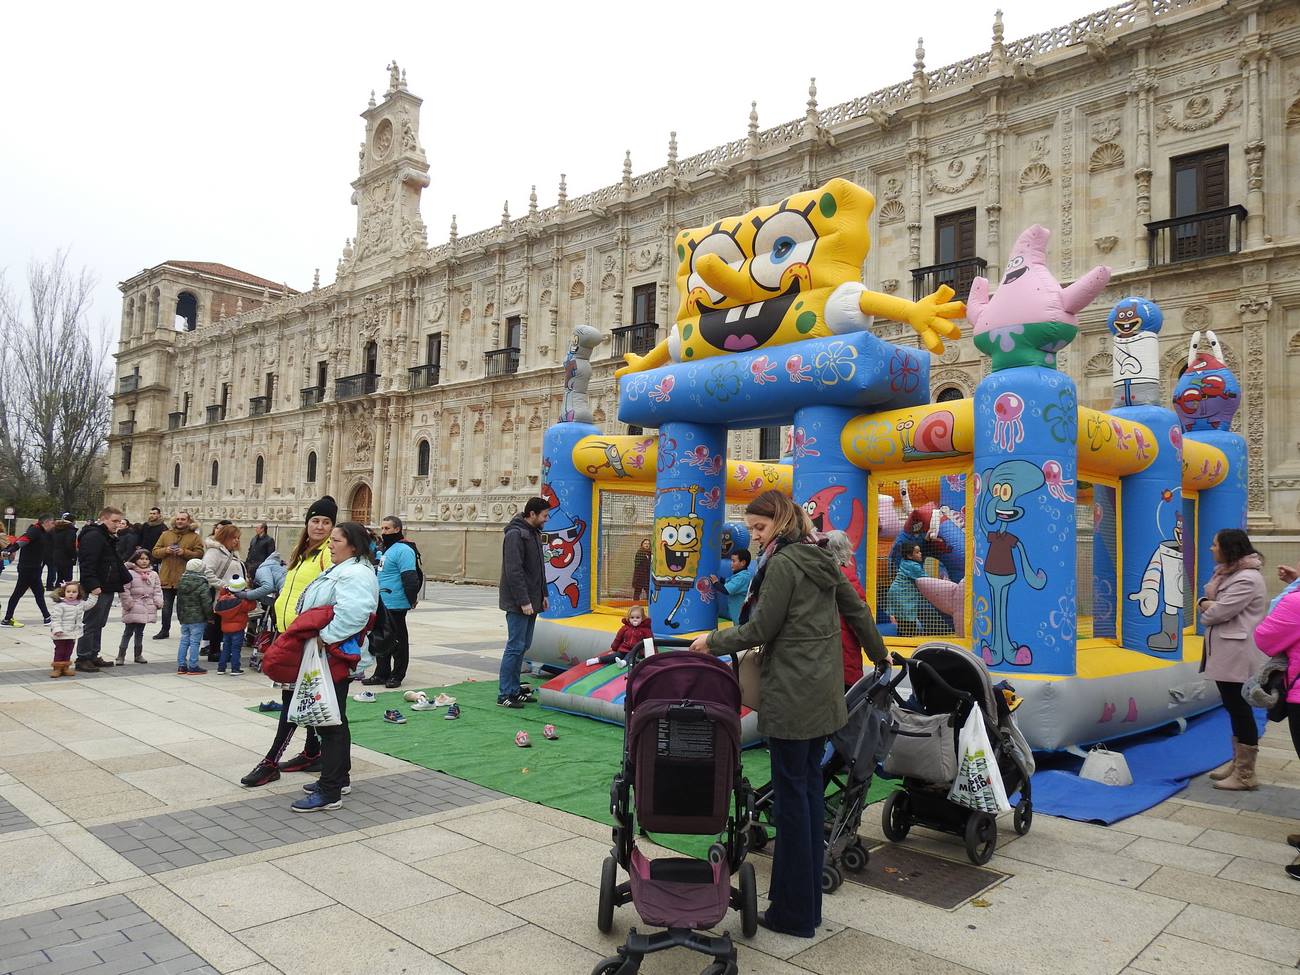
519 637
798 814
231 644
187 655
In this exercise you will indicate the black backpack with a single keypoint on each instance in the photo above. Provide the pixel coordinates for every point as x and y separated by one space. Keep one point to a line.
419 571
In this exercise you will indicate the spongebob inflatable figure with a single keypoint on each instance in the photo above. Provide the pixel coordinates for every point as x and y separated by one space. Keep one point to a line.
783 273
678 543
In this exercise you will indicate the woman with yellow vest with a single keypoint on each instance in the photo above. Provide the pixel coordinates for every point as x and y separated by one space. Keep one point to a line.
309 558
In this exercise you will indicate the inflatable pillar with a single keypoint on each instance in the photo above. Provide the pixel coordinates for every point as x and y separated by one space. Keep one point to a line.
1025 463
689 509
1151 512
831 488
1222 506
569 556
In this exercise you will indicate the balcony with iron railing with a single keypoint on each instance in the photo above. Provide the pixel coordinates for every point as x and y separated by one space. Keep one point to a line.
313 396
424 377
259 406
126 428
635 339
957 275
350 387
175 421
216 413
502 362
129 384
1211 233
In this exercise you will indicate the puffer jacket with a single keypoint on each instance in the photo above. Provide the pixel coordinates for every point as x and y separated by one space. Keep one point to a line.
268 580
1278 634
284 655
296 580
193 598
352 588
221 565
1235 602
142 597
66 619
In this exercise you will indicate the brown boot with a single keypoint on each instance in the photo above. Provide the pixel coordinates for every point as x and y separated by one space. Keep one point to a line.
1227 768
56 670
66 667
1242 778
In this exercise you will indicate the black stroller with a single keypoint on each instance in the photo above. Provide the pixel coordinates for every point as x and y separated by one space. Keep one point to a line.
855 751
947 681
681 774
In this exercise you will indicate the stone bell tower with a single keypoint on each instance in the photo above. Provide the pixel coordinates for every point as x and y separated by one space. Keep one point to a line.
393 172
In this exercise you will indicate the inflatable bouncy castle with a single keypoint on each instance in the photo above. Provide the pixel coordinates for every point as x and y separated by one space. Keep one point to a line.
1056 541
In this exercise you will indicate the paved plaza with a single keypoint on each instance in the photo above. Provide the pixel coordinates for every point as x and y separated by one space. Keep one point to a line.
127 845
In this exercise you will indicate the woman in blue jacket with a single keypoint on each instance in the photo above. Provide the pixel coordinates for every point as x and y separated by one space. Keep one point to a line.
399 586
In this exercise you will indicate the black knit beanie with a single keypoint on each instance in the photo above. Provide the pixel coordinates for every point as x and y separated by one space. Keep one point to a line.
326 507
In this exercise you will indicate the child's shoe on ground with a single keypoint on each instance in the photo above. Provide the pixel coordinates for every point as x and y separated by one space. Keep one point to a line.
364 697
453 713
394 716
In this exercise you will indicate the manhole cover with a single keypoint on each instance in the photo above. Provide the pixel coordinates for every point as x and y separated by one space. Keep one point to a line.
923 877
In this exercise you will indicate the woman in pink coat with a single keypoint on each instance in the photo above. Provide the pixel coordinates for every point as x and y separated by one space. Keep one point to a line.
141 600
1279 635
1235 601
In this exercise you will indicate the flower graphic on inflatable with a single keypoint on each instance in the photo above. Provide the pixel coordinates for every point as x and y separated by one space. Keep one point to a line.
762 369
635 388
667 453
876 441
664 390
801 445
904 373
1099 431
724 383
1062 418
797 371
835 364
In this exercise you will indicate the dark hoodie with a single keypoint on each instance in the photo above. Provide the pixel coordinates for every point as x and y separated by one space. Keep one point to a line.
523 577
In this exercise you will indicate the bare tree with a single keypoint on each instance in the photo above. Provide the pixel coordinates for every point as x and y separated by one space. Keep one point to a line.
54 385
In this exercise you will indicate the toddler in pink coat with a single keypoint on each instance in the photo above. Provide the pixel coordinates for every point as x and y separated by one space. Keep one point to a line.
141 600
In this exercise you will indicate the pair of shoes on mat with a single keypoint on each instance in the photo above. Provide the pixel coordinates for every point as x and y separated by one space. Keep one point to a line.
441 701
394 716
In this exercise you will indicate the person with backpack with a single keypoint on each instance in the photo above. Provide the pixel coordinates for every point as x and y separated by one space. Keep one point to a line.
400 581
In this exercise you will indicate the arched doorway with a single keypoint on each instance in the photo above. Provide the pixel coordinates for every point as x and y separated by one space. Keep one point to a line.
360 504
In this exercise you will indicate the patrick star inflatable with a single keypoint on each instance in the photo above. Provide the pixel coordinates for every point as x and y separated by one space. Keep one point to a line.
1031 317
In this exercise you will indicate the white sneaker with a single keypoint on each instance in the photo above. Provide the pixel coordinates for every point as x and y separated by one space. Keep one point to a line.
424 705
592 661
622 661
442 700
365 697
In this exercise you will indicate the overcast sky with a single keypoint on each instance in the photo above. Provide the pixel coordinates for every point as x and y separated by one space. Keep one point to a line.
138 133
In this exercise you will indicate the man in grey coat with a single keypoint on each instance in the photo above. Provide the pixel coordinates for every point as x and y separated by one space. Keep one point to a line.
522 595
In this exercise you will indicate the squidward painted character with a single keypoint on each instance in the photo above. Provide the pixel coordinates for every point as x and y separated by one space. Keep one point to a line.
1031 317
1004 486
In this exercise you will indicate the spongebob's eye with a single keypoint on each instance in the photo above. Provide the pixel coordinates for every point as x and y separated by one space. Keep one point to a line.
725 247
785 238
685 535
669 536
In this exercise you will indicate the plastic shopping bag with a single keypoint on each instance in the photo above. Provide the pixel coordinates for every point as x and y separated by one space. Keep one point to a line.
978 784
314 703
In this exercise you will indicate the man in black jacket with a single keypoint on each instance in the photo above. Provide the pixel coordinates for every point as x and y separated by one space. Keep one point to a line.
151 531
522 595
33 548
103 574
62 558
259 548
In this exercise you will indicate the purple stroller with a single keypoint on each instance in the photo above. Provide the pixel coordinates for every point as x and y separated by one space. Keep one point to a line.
680 774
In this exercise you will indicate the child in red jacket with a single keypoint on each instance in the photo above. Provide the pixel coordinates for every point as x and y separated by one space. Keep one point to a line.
232 611
634 631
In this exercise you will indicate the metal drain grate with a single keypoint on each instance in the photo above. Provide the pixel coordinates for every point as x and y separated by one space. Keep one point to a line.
923 877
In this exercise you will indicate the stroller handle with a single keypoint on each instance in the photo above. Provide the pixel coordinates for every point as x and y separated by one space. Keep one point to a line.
908 665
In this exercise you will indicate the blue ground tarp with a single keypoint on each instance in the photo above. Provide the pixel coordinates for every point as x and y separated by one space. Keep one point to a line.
1161 762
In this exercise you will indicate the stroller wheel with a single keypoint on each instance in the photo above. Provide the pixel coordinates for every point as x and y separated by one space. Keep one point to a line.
896 820
748 901
757 837
1023 817
981 837
605 912
610 966
855 857
831 879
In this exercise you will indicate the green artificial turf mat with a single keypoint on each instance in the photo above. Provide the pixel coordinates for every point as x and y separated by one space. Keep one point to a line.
572 773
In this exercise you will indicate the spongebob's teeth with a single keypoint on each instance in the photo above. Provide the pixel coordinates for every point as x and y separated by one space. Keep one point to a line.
754 309
733 314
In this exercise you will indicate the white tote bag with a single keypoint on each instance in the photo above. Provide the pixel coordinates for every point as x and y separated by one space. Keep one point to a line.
314 703
978 784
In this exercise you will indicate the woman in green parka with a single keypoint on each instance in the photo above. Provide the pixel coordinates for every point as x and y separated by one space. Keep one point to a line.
796 600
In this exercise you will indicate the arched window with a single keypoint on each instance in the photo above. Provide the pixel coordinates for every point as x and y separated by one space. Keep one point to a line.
311 467
422 459
948 394
372 359
187 312
215 470
259 469
176 476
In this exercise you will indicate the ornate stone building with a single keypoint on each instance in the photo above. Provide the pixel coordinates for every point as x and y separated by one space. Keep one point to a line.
1161 137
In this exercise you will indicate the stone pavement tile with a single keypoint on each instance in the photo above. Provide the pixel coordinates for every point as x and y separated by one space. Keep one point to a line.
34 807
568 821
579 858
1260 874
1177 855
570 912
41 867
1057 854
1273 850
244 897
998 938
547 954
1225 895
456 920
851 952
24 741
183 783
139 763
1272 942
40 763
508 831
1157 827
1080 835
491 875
222 950
1228 821
420 843
1170 955
352 944
54 786
358 877
130 802
93 852
113 746
12 818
